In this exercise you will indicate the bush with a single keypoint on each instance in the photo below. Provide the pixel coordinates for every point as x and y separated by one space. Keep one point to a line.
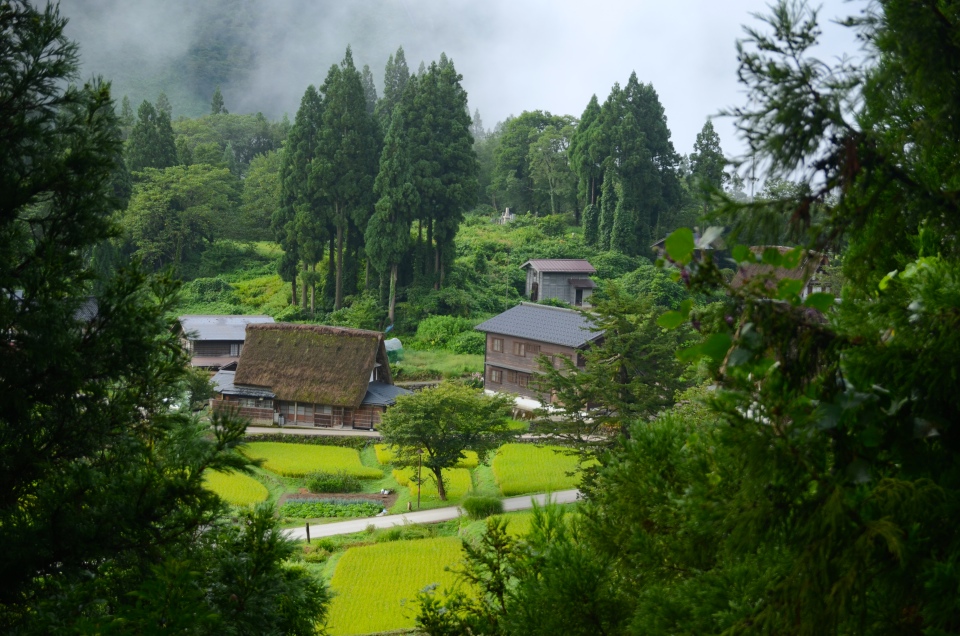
333 482
482 507
469 342
439 331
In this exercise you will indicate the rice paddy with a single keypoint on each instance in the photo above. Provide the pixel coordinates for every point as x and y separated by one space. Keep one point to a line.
523 468
456 480
385 456
299 460
235 488
375 585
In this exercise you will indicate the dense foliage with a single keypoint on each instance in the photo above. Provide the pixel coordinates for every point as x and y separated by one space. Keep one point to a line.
809 487
104 518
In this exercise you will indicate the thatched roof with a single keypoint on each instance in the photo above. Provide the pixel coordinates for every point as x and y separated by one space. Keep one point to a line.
314 364
806 269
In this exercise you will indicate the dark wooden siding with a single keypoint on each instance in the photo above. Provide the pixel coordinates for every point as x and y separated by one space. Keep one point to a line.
507 361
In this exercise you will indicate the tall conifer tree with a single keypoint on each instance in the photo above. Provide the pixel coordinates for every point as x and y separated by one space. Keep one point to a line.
347 156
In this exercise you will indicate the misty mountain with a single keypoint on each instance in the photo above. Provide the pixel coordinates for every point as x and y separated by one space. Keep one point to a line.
262 53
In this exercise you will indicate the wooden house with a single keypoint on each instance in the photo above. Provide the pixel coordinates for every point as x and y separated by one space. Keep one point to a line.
565 279
519 336
309 375
215 341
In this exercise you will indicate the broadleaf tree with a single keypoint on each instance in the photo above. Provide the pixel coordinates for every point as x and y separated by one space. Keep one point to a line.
437 425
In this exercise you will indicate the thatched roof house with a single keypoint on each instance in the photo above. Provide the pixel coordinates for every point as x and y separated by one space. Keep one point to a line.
311 374
808 270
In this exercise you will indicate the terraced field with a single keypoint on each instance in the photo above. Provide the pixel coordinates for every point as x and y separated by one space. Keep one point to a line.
524 468
299 460
235 488
373 582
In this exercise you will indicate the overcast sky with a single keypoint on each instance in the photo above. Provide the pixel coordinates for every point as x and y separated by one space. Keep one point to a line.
514 55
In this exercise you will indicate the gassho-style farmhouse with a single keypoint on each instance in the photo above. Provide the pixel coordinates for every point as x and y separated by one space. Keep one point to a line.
309 375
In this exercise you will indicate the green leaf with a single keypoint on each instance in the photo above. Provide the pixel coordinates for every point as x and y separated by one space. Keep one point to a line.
788 288
685 307
742 253
772 256
717 346
671 319
791 260
690 354
821 301
885 281
871 438
679 245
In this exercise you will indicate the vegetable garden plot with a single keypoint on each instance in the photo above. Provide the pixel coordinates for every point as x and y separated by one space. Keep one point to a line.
299 460
372 582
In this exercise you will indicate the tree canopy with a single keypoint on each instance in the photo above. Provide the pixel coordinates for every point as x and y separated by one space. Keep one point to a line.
104 516
444 421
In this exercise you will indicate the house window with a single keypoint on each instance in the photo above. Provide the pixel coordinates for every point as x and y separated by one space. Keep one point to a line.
523 380
498 345
496 376
523 349
512 377
249 403
235 349
324 410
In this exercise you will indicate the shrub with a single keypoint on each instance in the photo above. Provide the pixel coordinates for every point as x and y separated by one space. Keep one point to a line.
469 342
439 331
482 507
333 482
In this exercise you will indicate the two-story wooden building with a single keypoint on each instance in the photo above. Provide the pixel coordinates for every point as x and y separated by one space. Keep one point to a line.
216 341
517 337
309 375
566 279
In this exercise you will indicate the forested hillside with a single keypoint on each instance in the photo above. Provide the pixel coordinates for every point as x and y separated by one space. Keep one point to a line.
373 210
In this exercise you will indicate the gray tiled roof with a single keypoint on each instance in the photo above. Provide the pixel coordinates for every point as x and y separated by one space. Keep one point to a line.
382 394
543 323
566 265
223 383
219 327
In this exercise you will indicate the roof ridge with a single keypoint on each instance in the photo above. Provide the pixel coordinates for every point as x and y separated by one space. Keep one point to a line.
325 329
569 310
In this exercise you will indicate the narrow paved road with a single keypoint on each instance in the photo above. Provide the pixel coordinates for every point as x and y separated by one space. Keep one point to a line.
436 515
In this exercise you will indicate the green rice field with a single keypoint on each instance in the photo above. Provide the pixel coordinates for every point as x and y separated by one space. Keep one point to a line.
372 582
235 488
457 481
523 468
385 456
299 460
